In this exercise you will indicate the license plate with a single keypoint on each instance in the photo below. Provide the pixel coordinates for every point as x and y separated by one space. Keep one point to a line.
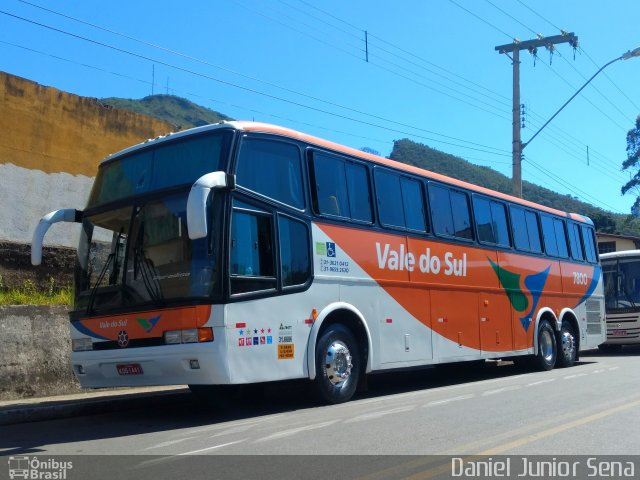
129 369
619 333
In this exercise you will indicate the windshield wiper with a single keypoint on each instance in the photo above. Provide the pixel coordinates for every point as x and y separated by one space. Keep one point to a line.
92 297
143 265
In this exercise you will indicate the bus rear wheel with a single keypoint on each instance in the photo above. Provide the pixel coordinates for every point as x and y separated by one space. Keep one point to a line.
338 365
567 346
547 347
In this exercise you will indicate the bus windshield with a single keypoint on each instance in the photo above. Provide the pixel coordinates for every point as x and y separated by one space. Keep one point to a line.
622 282
134 248
141 254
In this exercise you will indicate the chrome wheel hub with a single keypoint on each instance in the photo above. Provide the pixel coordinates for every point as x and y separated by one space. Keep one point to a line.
568 344
546 345
338 362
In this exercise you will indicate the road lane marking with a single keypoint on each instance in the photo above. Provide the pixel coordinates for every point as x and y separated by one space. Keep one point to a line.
177 456
215 447
540 382
448 400
561 428
380 414
168 443
500 390
294 431
234 423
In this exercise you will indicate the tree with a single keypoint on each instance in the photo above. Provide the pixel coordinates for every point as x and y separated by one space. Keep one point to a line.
633 162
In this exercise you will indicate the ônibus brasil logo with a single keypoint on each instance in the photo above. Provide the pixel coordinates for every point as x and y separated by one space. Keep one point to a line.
38 468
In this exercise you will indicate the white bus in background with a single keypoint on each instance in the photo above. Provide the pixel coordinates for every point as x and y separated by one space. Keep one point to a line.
621 272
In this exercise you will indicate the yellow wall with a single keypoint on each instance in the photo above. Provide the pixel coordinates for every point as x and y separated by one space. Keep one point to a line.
52 131
51 143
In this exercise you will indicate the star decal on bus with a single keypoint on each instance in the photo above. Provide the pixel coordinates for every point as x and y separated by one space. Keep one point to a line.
510 282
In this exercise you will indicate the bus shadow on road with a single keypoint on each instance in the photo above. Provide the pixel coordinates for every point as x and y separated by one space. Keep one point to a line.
172 413
624 351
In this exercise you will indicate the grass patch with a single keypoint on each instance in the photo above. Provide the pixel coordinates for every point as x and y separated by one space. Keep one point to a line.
29 294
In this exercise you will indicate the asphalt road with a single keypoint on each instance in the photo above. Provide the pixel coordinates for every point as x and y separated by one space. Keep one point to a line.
496 409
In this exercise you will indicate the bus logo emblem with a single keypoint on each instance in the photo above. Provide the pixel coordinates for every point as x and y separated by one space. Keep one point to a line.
123 339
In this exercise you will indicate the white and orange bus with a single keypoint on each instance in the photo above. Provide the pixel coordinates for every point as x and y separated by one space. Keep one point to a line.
244 252
621 274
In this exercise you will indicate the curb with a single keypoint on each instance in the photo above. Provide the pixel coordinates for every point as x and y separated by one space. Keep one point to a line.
50 409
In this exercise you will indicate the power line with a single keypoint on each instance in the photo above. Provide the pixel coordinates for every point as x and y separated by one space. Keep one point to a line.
251 90
194 95
607 99
610 80
482 19
334 104
566 185
511 17
412 55
400 75
537 14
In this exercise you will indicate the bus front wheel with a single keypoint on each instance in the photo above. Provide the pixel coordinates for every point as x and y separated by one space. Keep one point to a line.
338 365
547 347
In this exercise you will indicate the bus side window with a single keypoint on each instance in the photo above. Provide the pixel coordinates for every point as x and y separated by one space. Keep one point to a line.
549 235
491 221
252 259
574 240
341 188
273 169
295 260
330 186
450 212
519 228
589 244
561 237
389 197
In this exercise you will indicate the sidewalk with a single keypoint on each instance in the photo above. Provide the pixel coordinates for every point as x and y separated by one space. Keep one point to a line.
87 403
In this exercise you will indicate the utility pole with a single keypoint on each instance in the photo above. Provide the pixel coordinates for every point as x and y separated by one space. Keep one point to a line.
532 47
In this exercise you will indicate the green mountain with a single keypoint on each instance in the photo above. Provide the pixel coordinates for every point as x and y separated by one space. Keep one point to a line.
176 110
422 156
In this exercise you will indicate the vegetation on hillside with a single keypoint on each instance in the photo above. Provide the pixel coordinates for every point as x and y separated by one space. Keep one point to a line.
176 110
428 158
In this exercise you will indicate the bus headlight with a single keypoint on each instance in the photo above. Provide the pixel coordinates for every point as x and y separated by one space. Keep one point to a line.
82 344
192 335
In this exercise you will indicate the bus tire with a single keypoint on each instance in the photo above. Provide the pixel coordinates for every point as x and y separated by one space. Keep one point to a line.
547 347
338 365
567 346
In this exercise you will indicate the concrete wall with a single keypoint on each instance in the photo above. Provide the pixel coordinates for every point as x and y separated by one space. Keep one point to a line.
51 143
34 352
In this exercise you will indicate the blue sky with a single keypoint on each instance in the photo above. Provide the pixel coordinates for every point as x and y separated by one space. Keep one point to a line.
433 74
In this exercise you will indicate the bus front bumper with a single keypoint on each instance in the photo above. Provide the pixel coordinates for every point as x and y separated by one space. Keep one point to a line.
185 364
